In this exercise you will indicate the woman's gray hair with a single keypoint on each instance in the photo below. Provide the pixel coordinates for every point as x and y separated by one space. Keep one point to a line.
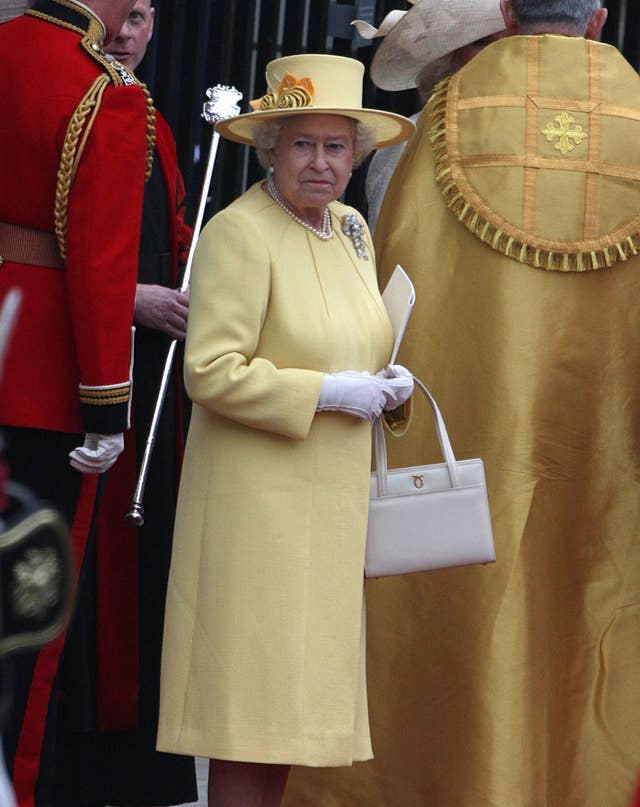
267 133
572 14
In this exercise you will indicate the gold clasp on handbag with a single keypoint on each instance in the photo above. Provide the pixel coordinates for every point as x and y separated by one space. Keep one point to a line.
418 481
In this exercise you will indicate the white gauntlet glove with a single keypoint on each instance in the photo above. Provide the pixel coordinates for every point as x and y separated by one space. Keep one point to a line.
359 394
98 453
401 385
6 793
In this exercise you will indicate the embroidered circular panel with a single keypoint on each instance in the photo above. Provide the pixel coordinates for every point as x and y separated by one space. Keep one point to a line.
537 151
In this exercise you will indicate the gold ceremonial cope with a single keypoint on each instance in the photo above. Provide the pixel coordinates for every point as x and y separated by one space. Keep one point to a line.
517 114
517 682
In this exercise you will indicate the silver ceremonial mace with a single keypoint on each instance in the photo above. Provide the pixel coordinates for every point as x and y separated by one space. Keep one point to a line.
222 104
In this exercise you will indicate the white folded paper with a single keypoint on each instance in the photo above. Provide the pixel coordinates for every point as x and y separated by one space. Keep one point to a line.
399 297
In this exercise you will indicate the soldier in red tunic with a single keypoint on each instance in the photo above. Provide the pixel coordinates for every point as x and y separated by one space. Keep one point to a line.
76 142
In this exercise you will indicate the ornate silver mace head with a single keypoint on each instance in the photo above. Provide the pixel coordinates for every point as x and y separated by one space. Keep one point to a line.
223 103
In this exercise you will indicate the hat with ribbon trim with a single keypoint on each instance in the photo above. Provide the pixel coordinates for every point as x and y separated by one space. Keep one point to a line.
312 84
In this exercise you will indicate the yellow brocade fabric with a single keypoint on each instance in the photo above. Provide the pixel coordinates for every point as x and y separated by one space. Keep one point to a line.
502 130
516 684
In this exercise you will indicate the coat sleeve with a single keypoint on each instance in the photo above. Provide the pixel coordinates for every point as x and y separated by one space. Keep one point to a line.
224 372
104 216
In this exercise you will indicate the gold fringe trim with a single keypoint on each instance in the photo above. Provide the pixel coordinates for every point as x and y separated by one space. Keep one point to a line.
528 253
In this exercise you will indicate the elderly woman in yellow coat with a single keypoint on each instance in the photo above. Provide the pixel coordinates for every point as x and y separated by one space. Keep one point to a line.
263 659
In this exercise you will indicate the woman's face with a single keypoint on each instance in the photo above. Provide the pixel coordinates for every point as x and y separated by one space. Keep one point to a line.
312 160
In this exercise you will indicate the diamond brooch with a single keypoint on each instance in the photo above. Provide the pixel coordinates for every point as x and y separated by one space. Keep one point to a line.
353 227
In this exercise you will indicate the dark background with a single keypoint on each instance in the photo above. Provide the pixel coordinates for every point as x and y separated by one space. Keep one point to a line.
200 43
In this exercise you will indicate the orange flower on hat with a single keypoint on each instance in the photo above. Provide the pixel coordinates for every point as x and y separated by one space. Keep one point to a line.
292 93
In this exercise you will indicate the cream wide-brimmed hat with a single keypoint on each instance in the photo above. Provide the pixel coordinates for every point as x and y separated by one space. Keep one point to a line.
312 84
417 42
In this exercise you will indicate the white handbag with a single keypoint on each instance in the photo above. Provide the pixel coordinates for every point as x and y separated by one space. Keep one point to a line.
429 516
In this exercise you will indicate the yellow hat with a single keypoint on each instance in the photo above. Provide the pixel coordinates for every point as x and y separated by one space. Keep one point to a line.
314 83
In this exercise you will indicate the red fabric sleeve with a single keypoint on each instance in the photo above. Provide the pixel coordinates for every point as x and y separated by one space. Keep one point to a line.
104 217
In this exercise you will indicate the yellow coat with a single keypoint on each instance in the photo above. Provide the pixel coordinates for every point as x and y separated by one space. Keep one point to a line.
263 656
517 684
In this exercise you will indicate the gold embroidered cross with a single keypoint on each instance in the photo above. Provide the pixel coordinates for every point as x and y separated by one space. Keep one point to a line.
565 133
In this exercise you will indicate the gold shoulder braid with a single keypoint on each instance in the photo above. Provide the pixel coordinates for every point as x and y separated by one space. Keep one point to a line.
593 248
71 154
80 127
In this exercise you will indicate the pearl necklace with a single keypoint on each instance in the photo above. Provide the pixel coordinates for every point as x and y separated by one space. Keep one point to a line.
324 234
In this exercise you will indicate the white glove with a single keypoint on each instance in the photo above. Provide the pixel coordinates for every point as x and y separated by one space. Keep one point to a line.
98 453
358 394
401 382
6 793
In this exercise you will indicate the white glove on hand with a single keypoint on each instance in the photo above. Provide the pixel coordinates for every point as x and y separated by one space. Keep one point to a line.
358 394
6 793
401 381
98 453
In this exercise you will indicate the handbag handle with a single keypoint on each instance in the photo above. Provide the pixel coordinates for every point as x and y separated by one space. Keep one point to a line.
380 446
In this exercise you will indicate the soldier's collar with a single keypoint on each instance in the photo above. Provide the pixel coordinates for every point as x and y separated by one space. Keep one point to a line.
71 14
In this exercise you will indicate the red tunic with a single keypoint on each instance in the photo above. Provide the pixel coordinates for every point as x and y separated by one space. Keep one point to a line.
68 366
